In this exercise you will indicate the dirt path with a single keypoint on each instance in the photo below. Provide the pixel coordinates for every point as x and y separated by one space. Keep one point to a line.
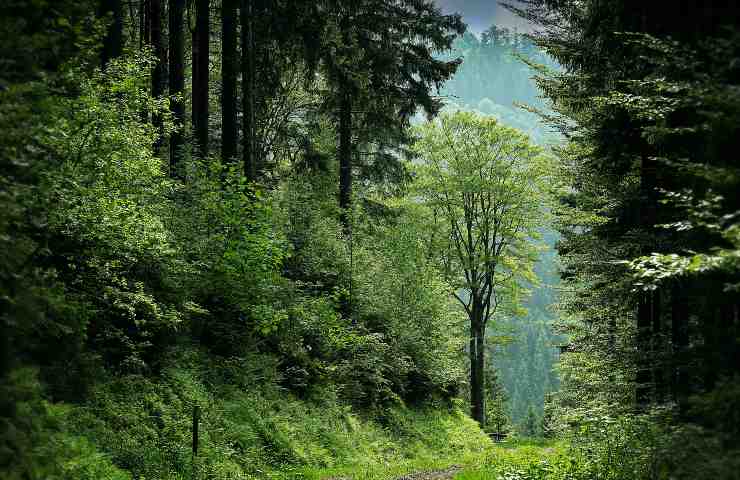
432 475
427 475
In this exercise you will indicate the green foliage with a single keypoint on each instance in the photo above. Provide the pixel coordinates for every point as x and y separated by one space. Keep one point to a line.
401 293
482 176
385 331
36 442
708 216
251 431
139 296
498 414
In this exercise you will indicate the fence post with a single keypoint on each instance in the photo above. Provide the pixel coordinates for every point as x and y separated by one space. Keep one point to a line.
196 418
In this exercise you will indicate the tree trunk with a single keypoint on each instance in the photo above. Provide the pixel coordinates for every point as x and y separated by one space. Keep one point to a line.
644 367
158 72
658 348
177 83
647 310
248 127
712 360
345 154
201 55
735 359
680 343
144 39
113 41
144 22
228 78
477 365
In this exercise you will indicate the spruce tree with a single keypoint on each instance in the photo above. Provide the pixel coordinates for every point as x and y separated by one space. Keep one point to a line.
177 82
200 69
229 66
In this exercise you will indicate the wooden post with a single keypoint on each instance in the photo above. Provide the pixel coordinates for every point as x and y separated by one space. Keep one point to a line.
196 418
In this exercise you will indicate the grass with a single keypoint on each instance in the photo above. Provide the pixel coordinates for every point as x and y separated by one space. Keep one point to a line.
518 459
141 428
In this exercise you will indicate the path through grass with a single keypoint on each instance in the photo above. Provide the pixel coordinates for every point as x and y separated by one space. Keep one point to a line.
512 460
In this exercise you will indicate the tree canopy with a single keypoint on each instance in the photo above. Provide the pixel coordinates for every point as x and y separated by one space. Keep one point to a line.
485 188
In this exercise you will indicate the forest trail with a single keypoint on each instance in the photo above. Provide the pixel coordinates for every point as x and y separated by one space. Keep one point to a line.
432 475
424 475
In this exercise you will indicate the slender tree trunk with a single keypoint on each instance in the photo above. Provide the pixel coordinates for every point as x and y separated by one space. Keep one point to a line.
345 154
228 78
201 55
144 22
113 41
712 361
658 348
249 153
648 303
727 336
477 364
159 70
177 82
143 42
644 376
680 343
735 359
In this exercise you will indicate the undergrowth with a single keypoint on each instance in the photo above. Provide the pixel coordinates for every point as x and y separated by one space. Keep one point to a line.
140 427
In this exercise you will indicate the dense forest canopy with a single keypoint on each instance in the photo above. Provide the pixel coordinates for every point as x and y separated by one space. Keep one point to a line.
226 251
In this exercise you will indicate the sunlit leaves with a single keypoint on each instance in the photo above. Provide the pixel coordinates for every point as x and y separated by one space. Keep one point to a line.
704 214
487 189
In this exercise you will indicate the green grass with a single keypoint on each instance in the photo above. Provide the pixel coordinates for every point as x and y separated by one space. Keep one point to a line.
518 459
141 426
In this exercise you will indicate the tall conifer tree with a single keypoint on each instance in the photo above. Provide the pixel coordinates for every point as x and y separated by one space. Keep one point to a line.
228 78
201 56
177 82
160 52
249 153
113 41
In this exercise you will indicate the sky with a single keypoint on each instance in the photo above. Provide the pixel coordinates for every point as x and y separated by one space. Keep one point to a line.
481 14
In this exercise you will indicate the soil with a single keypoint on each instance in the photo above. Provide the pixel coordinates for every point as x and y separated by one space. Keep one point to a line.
428 475
432 475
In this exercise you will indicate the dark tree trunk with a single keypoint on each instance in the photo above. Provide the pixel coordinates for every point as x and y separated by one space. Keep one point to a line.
159 70
735 359
712 359
648 314
658 348
144 22
201 55
228 78
113 41
727 336
644 325
680 344
345 154
177 83
144 41
249 153
477 365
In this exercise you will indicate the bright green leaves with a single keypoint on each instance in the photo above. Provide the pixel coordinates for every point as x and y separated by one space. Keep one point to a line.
707 216
486 190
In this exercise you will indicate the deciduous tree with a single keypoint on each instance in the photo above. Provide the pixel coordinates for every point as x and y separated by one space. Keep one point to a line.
484 185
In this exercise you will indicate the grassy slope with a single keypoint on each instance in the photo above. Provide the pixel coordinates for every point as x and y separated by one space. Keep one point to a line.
140 427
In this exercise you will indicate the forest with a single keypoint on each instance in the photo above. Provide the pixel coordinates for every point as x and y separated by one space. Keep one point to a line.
337 240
